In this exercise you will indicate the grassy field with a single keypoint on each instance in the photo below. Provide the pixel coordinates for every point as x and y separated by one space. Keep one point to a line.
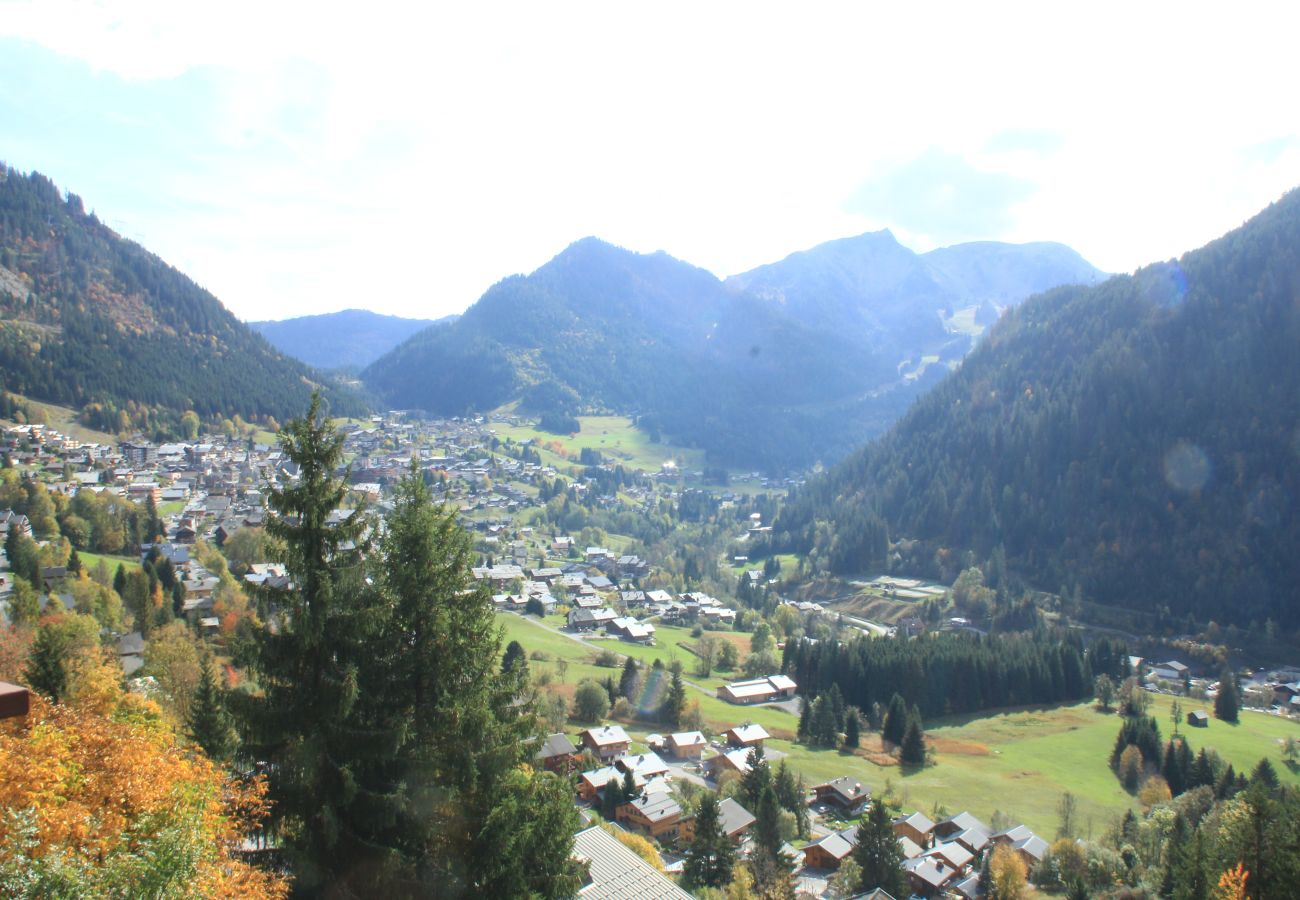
614 436
90 560
64 420
1018 762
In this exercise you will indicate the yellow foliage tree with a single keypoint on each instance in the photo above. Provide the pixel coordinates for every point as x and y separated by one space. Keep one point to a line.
1008 873
1232 884
102 802
638 845
1155 791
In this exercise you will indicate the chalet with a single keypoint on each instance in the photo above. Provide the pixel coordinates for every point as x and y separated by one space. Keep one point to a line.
15 701
928 875
734 819
645 765
831 850
590 619
746 735
17 521
968 889
656 814
733 760
608 742
1030 846
976 840
954 825
686 744
759 690
557 754
591 783
845 792
614 871
130 652
917 827
954 854
1170 671
629 629
1198 719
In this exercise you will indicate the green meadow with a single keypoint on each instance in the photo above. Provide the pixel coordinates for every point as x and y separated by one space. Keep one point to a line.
614 436
1018 762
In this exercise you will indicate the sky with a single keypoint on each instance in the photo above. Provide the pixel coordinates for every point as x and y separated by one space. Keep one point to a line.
296 159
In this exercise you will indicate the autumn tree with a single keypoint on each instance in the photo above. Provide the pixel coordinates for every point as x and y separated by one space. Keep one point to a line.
102 802
1008 875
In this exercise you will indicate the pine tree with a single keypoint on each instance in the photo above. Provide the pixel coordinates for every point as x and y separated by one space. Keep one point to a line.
208 723
515 655
852 729
1228 701
675 701
630 791
896 718
821 726
630 682
912 752
771 867
611 798
805 717
322 742
837 707
119 579
879 854
711 856
74 562
47 670
758 779
441 670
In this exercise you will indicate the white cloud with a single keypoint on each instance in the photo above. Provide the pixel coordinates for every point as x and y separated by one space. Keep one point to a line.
404 160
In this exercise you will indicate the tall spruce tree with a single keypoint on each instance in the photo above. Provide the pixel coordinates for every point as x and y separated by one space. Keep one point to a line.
1228 702
912 751
852 729
320 737
630 682
711 856
879 854
47 664
466 721
674 705
208 723
895 724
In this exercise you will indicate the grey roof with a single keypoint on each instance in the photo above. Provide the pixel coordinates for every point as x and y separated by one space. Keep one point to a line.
557 744
616 872
734 817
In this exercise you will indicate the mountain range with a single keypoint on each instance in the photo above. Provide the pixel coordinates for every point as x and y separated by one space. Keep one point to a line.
94 321
790 363
1135 443
350 339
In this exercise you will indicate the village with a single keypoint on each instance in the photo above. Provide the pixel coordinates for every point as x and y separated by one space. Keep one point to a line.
599 596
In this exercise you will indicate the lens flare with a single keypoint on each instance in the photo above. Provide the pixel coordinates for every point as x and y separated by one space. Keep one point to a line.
1186 467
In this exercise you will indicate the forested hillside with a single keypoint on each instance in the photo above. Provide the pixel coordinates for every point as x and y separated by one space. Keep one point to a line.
90 320
793 363
1138 441
349 339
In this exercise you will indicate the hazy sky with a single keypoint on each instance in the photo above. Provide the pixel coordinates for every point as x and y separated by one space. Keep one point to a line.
297 159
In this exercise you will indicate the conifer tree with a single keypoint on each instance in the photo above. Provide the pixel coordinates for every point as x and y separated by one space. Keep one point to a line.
895 725
47 670
805 717
771 867
1228 701
912 752
711 856
630 682
630 791
466 721
208 723
852 729
321 743
879 854
611 798
757 780
674 704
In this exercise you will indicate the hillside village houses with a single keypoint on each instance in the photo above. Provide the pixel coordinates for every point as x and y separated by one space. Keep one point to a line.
210 489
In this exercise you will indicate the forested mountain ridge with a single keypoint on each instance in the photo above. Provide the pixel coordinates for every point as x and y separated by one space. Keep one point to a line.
347 339
1138 440
91 320
790 364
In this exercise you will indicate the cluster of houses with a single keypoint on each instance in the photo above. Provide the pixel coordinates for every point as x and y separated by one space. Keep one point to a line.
938 857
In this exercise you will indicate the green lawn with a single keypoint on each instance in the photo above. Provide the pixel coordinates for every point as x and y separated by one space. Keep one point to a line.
614 436
1018 762
90 560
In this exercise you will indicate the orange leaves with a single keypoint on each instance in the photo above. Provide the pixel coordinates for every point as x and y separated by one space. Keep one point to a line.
103 782
1232 884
